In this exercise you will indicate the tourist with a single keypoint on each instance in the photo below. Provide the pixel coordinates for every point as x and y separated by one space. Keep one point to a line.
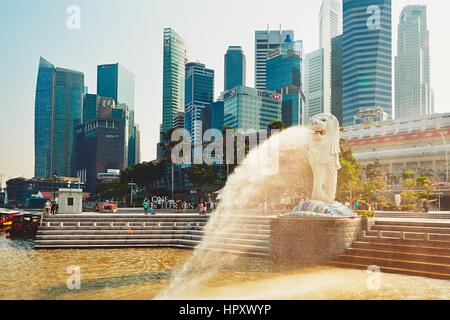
426 209
54 207
47 208
356 205
200 208
145 205
151 208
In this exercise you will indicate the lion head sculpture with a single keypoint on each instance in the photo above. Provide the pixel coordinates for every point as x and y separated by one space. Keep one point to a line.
326 138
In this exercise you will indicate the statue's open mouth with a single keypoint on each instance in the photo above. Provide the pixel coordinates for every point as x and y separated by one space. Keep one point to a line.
320 132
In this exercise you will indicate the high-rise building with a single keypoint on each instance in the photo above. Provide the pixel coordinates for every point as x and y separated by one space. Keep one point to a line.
137 134
266 41
336 77
90 107
116 82
330 27
413 93
178 122
199 93
367 57
98 145
212 116
175 57
314 73
284 68
58 111
251 109
235 68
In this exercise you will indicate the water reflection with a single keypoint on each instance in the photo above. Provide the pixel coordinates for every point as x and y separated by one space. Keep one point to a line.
143 273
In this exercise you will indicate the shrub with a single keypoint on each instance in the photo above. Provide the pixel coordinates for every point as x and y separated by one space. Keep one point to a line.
365 213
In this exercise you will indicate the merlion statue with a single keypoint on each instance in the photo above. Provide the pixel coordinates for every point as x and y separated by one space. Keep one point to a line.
323 155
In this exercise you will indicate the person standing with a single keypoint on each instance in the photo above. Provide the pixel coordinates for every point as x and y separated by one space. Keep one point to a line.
47 208
145 205
53 207
200 208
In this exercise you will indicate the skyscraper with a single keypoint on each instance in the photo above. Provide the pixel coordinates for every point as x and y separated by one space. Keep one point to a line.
58 111
199 93
235 65
314 74
367 57
90 107
284 67
251 109
116 82
330 27
266 41
98 145
336 77
175 57
413 94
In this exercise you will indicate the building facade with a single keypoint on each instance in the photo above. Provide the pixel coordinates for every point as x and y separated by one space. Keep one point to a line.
336 77
251 109
266 41
199 94
235 68
175 58
213 116
367 57
419 144
314 84
284 76
58 111
413 93
330 27
116 82
100 146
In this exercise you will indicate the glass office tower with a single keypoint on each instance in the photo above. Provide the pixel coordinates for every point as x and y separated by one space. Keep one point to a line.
235 65
284 77
251 109
175 57
58 111
116 82
199 94
367 57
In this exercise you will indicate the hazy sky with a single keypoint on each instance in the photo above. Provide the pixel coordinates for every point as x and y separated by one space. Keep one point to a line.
130 32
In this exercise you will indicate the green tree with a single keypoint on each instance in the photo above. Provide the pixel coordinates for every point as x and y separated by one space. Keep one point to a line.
349 175
202 175
276 125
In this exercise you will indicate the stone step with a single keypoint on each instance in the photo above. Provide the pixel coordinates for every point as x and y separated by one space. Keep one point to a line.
230 239
410 272
119 246
250 248
407 228
429 224
398 241
395 263
407 256
150 233
401 248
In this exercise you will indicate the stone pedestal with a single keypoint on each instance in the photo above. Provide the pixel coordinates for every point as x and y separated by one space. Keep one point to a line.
303 241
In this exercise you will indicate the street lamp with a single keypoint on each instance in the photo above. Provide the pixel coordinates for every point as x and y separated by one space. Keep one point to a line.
55 176
132 185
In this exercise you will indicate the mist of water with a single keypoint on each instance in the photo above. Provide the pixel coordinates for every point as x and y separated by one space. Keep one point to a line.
276 169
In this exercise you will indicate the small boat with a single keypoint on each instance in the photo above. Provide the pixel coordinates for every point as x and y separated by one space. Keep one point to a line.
25 226
6 217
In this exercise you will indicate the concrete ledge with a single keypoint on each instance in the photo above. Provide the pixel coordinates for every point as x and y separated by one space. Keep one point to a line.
305 241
